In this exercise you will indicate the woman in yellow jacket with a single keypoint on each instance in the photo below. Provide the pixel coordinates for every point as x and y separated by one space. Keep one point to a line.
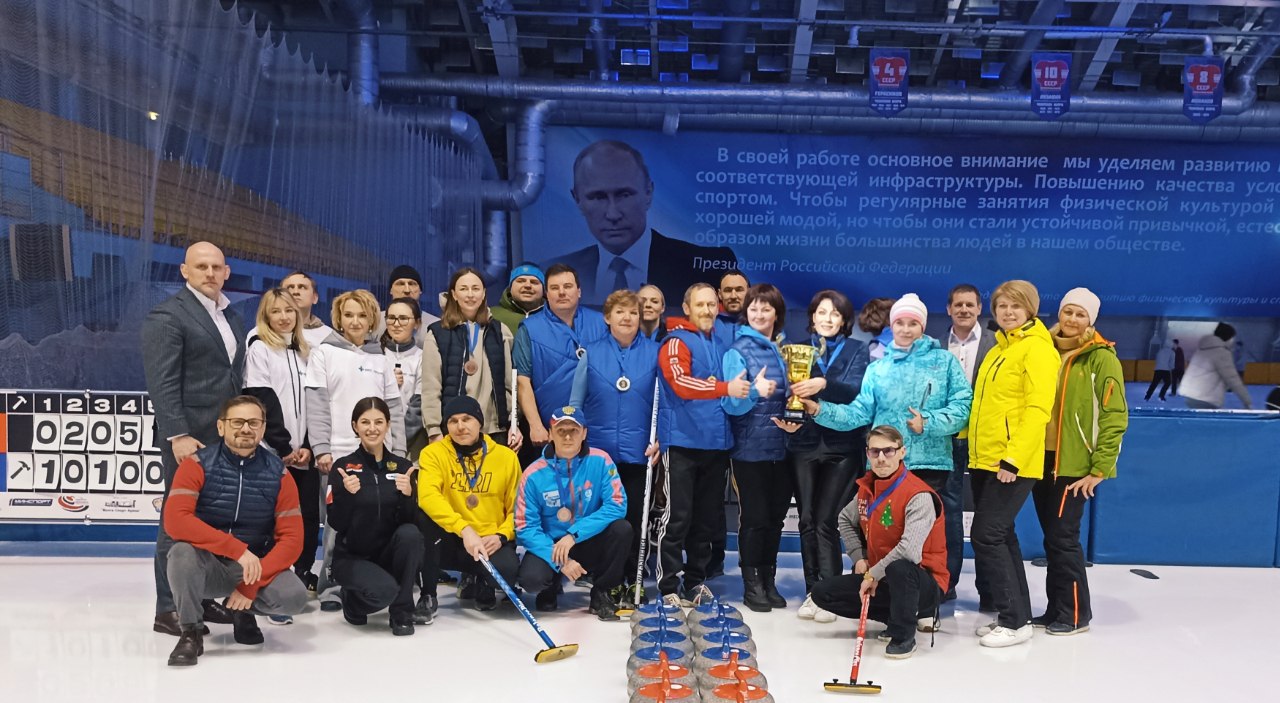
1012 400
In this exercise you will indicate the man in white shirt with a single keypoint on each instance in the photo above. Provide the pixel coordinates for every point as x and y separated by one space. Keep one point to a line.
193 348
969 342
303 289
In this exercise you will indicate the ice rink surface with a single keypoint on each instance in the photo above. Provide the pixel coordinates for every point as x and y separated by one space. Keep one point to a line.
78 629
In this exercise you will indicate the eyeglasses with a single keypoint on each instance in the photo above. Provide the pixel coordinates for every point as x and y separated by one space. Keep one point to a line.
237 423
399 319
874 452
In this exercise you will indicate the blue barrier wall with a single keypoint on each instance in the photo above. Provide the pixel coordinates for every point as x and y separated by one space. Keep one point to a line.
1194 489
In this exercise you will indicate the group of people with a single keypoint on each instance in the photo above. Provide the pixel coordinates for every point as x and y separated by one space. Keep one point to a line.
537 422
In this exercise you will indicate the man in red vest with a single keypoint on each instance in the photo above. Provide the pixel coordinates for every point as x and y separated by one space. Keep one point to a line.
895 534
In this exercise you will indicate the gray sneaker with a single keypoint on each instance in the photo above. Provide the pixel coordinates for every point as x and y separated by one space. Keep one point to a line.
900 650
696 597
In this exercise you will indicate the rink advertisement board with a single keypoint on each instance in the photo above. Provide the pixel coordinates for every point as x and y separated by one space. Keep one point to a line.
78 456
1154 228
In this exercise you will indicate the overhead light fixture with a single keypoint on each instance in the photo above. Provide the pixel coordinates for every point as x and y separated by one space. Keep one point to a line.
153 115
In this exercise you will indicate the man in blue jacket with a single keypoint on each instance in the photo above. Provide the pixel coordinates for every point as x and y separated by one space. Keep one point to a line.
571 518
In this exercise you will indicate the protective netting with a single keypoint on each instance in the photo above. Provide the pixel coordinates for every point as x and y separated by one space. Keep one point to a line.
131 128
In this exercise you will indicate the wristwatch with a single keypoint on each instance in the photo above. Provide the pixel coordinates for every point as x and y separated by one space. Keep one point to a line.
868 577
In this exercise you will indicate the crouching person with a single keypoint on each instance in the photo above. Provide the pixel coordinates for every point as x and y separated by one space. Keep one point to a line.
233 513
467 486
571 517
379 547
895 534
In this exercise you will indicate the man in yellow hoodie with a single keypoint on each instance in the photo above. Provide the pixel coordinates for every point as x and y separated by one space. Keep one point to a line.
467 486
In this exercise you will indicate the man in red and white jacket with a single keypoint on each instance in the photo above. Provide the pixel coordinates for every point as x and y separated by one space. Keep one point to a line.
233 513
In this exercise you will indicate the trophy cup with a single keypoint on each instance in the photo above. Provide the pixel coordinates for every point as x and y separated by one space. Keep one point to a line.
799 359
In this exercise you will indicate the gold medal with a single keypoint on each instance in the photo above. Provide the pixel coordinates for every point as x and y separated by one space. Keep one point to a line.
472 501
564 515
471 367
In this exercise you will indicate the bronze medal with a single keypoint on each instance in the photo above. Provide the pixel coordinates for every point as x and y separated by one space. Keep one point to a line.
472 501
471 367
564 515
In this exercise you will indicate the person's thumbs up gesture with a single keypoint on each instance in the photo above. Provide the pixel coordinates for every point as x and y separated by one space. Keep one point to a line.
740 387
349 482
764 386
916 423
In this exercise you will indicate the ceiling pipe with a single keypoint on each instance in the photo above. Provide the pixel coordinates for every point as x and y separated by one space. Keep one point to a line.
733 43
599 42
1015 65
782 97
362 48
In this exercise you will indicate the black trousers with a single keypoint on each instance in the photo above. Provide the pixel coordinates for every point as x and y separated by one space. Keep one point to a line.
386 580
632 476
764 494
995 545
907 593
824 483
432 536
1066 583
1157 378
449 554
1177 380
308 481
695 500
603 556
949 485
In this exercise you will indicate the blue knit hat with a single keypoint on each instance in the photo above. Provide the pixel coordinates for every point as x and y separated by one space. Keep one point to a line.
527 270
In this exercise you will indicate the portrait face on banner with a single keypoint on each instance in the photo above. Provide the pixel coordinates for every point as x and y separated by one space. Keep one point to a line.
613 193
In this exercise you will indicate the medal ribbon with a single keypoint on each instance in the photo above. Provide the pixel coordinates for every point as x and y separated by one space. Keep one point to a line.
473 338
473 477
567 497
834 352
620 355
871 508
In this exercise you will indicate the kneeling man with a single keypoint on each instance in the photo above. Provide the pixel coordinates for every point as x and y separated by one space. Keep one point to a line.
571 517
233 513
895 534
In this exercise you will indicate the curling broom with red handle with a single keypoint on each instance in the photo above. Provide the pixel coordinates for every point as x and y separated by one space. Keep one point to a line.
852 686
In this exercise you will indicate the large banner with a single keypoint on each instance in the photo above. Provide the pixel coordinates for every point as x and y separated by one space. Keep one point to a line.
1154 228
78 456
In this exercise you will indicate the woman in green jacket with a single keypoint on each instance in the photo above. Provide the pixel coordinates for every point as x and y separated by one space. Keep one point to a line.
1082 442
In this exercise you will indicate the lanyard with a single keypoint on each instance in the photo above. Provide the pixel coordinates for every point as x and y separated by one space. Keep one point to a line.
620 354
824 364
567 497
706 340
871 508
473 337
573 332
473 477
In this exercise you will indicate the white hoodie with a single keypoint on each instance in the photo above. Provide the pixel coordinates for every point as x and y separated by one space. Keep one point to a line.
284 372
340 374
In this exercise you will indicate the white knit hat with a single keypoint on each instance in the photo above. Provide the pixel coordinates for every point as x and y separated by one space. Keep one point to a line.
910 306
1082 298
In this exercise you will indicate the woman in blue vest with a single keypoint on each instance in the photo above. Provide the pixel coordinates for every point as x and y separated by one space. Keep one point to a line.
761 475
614 387
468 352
826 462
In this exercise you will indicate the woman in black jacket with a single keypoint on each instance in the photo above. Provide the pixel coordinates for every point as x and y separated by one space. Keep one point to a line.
379 548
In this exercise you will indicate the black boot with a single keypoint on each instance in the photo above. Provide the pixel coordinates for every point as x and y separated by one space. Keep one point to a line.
602 605
767 575
217 613
246 629
753 595
190 647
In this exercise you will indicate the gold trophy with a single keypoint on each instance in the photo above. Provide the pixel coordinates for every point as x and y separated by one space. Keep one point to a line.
799 359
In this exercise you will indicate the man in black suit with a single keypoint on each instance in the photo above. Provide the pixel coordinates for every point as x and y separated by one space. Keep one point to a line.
193 349
612 188
970 343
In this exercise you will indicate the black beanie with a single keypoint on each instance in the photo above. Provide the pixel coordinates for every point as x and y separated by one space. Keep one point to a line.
405 271
1224 332
460 405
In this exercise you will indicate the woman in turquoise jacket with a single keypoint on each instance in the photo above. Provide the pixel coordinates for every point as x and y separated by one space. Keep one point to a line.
920 388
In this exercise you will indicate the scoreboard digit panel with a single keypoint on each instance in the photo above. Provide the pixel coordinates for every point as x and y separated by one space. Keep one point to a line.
79 456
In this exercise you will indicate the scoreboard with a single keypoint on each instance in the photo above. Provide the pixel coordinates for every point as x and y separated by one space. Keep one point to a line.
78 456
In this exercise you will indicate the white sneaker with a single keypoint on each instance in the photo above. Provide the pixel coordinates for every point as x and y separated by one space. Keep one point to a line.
929 625
807 609
985 629
672 600
824 616
1006 637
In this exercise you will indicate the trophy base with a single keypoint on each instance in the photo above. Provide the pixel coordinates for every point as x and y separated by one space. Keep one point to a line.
798 417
